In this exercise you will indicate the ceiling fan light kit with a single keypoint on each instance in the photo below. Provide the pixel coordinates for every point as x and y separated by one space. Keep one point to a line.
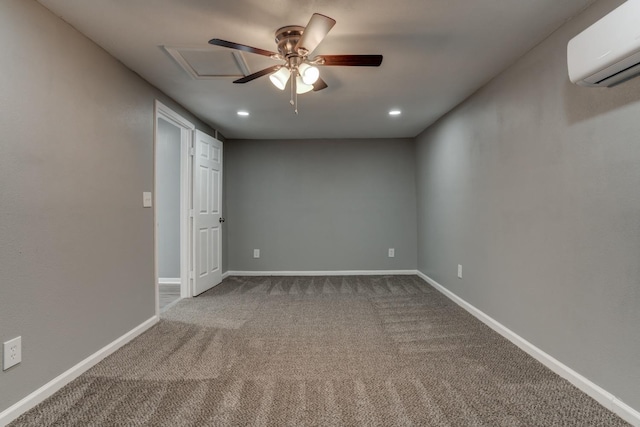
295 44
309 73
280 78
301 86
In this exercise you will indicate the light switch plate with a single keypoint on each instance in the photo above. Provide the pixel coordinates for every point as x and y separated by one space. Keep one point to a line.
392 252
147 200
256 253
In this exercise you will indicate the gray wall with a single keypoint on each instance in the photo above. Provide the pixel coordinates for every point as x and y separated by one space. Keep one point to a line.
320 205
532 185
76 251
168 199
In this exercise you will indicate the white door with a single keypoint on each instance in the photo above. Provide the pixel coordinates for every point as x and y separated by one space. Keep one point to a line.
207 205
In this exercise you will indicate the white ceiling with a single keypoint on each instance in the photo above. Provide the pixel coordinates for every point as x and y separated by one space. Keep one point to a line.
436 53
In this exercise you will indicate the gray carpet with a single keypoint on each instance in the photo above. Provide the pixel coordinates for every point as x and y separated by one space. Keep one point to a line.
319 351
167 294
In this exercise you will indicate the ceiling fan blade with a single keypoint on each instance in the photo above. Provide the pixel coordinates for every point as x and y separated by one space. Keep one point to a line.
258 74
314 32
319 85
245 48
349 60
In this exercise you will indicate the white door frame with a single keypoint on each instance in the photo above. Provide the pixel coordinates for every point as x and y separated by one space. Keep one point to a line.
187 131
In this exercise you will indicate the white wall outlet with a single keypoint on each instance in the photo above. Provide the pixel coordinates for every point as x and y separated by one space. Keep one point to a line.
459 271
12 351
392 252
256 253
147 200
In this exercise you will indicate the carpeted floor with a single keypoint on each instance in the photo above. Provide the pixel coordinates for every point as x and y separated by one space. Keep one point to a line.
319 351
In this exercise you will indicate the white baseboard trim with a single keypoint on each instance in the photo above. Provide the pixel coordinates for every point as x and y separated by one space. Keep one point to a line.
71 374
626 412
326 273
169 281
599 394
225 275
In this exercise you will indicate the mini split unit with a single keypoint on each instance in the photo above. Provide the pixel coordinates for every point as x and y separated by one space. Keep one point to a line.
608 52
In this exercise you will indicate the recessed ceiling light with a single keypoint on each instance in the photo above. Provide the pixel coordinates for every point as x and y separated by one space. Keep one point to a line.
243 113
395 112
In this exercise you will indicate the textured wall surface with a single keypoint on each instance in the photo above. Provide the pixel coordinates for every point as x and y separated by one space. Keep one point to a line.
532 185
321 205
168 199
76 251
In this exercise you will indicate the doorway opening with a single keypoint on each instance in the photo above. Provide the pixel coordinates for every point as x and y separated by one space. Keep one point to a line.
172 188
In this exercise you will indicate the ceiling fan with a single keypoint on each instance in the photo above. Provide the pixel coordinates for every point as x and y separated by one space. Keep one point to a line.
295 44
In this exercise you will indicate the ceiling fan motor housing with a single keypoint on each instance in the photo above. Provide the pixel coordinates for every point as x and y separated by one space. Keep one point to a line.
287 39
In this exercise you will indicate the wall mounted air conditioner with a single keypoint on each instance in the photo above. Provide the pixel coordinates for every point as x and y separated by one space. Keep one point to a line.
608 52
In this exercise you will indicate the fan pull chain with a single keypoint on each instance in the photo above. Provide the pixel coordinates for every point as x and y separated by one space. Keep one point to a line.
293 88
294 91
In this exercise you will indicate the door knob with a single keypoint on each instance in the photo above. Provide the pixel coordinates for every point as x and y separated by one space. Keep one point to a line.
221 220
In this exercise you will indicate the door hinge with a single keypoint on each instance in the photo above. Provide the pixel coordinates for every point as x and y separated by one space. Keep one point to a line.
191 275
190 213
192 151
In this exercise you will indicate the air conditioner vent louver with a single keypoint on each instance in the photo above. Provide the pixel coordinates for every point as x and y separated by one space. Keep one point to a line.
621 76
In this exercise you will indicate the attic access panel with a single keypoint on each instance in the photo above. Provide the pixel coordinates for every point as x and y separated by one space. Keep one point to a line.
205 62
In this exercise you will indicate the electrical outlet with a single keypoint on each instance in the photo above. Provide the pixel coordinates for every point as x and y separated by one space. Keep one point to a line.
459 271
256 253
392 252
12 351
